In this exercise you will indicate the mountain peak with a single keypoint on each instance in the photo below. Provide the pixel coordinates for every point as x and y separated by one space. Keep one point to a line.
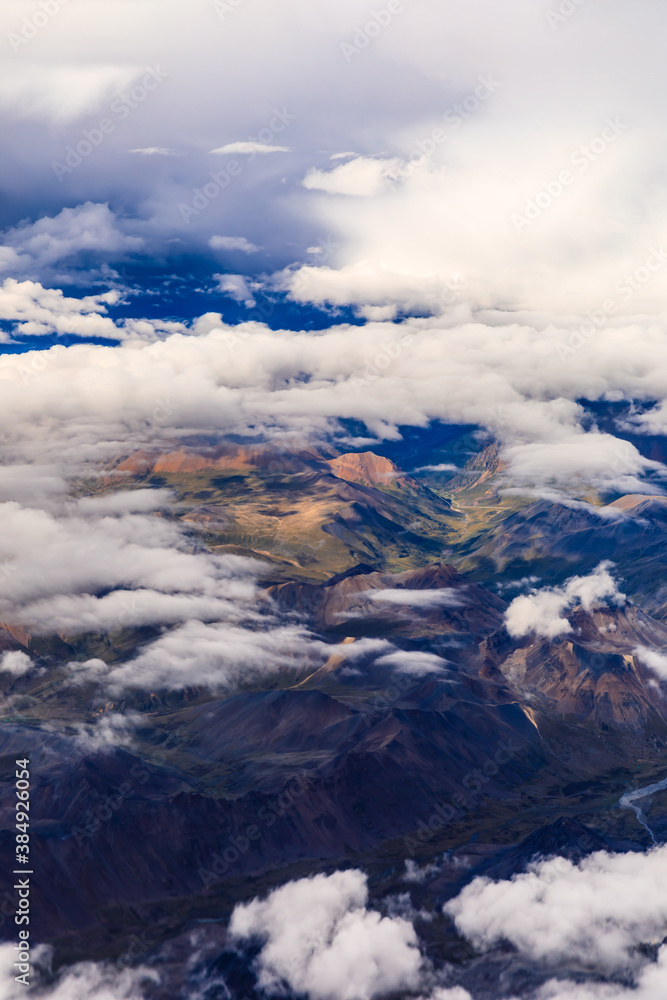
368 468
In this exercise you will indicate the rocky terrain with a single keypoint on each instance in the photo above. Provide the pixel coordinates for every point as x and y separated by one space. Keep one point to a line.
427 728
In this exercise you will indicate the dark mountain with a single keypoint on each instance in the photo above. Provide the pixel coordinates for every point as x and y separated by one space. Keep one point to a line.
424 602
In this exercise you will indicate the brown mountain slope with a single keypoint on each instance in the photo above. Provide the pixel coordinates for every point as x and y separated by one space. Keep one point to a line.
429 601
370 469
594 673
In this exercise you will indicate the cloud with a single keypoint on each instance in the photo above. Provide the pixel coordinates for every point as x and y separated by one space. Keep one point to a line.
83 981
456 993
362 177
102 564
442 467
15 663
319 938
90 228
250 149
110 731
542 611
464 141
415 873
414 664
155 151
219 656
444 597
368 285
594 916
654 660
60 92
38 311
594 913
650 984
248 379
232 243
237 287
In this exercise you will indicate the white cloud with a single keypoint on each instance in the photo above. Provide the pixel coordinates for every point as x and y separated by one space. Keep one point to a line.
15 663
654 660
319 938
417 874
83 981
217 656
594 913
362 176
442 467
250 149
650 984
444 597
232 243
543 611
237 287
368 284
37 311
90 227
107 563
414 664
111 730
155 151
243 379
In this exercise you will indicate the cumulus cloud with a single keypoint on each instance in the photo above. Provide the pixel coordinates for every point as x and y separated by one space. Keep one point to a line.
595 917
369 286
595 913
37 311
650 984
454 207
319 938
237 287
83 981
15 663
542 611
50 246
